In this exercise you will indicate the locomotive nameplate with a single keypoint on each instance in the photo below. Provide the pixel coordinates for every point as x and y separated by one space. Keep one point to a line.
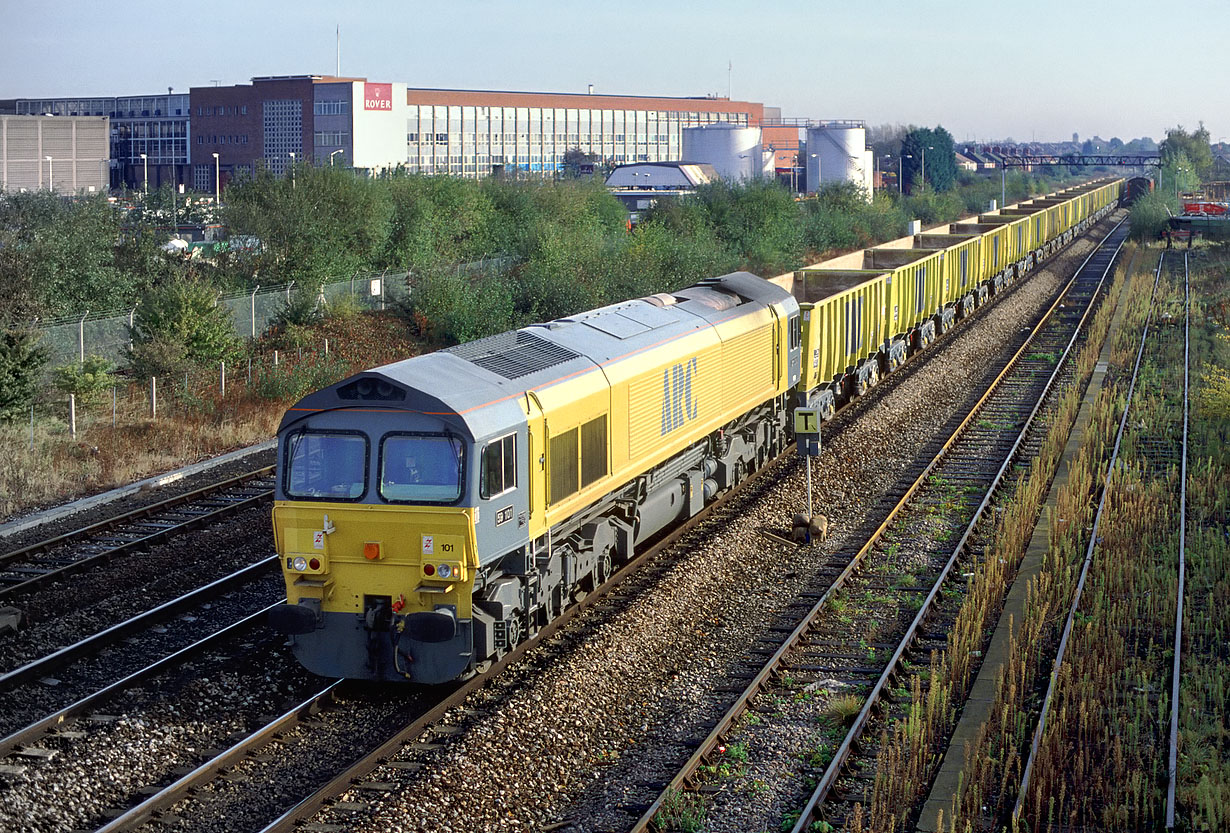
504 515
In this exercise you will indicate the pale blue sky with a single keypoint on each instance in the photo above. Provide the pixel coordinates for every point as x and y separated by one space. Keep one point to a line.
1042 68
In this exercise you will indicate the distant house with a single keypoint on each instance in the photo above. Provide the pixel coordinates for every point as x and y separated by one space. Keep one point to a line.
982 160
965 163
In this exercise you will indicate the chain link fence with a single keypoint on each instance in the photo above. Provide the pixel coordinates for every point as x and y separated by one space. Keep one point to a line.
106 334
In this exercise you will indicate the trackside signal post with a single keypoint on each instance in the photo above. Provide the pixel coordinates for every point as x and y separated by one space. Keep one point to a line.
807 435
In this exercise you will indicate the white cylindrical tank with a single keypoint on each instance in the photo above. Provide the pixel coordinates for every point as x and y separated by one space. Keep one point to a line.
836 152
733 151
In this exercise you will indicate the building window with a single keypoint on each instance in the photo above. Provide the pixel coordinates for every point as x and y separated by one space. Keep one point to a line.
331 138
331 108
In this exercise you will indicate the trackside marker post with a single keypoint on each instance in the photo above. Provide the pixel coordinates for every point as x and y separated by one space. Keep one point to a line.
807 435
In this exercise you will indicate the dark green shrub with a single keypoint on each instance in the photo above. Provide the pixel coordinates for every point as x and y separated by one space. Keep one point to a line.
22 356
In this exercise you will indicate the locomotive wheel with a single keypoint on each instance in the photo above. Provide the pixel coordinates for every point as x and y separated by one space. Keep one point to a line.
516 632
603 569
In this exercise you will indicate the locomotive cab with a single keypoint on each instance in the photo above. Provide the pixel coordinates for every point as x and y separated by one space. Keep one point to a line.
375 519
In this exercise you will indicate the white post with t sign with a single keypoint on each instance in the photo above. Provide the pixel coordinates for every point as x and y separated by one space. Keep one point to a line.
807 435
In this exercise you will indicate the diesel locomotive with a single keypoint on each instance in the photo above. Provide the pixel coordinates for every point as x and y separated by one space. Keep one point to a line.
431 513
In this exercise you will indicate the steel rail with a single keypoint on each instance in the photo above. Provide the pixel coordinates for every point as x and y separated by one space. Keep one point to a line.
1172 762
136 543
1036 743
105 637
709 744
357 771
101 526
177 790
42 726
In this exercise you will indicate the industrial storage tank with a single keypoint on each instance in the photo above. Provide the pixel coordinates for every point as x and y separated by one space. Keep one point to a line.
734 152
837 152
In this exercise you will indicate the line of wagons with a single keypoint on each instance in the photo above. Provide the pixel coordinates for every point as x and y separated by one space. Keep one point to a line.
432 513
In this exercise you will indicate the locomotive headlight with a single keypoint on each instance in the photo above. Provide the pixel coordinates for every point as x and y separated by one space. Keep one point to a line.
300 564
444 571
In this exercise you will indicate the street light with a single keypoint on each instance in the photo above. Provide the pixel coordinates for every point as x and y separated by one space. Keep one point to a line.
292 169
901 171
51 174
819 172
924 163
217 181
145 164
331 155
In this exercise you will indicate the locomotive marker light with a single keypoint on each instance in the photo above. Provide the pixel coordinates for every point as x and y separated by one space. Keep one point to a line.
807 434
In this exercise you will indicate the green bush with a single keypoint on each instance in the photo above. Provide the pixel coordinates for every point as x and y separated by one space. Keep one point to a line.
86 380
22 356
178 326
1150 216
292 381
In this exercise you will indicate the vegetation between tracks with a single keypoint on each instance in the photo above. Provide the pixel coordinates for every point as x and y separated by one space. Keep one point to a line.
1101 764
911 748
995 760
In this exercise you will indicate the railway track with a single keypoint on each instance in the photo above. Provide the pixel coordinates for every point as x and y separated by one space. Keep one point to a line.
423 736
949 498
1152 461
35 565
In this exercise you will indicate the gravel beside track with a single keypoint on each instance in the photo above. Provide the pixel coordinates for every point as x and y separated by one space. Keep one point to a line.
76 777
24 704
83 604
590 737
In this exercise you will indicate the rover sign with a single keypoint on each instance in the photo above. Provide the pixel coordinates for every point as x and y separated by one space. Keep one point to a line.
377 96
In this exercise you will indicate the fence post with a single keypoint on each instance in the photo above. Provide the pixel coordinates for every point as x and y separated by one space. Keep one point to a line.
81 337
249 371
72 416
131 317
275 358
223 382
153 397
113 406
31 427
382 277
254 291
289 287
326 346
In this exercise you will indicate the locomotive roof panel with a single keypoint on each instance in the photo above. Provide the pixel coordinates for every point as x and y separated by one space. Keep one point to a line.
462 380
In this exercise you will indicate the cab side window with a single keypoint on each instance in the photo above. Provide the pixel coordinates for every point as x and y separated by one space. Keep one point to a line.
499 466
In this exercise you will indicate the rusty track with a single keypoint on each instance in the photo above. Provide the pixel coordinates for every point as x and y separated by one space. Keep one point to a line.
1101 261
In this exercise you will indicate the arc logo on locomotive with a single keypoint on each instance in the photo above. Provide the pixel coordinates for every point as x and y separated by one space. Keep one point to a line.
678 403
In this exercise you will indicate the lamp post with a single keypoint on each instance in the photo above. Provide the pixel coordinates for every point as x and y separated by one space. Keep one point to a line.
51 174
819 171
145 164
331 155
217 181
901 171
924 163
292 169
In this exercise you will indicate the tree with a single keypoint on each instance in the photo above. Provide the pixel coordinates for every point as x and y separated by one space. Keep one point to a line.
940 157
328 223
1193 146
576 161
57 257
22 356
